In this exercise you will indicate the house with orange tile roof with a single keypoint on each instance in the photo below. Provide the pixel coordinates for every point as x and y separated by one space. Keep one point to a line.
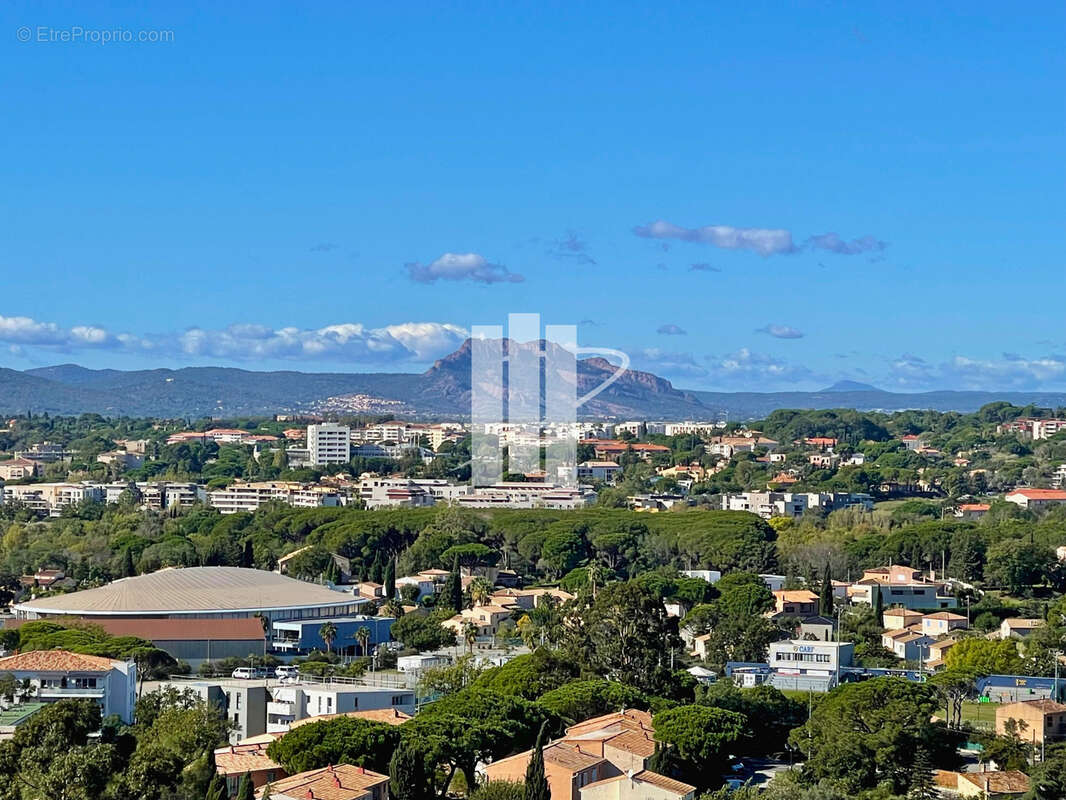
339 782
971 511
643 785
608 746
61 675
1036 499
991 784
1018 627
234 761
797 602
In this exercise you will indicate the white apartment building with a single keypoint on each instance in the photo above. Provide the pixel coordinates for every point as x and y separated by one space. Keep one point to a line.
328 443
54 675
291 703
690 428
380 492
250 496
793 504
1046 428
603 471
528 495
49 499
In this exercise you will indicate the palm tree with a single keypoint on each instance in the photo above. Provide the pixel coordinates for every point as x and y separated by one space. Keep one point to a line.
469 635
595 575
527 629
480 591
328 632
363 636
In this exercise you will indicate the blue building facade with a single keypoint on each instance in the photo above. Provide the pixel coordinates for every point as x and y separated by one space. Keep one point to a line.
301 636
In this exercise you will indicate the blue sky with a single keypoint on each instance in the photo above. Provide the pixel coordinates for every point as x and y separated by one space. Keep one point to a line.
740 196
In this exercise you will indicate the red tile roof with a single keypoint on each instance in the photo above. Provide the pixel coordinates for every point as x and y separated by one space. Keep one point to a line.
55 661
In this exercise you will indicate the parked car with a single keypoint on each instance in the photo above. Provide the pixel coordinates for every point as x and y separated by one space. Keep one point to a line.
244 673
287 671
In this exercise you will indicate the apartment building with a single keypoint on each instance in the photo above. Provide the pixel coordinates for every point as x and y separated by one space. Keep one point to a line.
528 495
910 645
248 497
793 504
290 703
603 471
900 585
1046 428
49 499
328 443
389 492
54 675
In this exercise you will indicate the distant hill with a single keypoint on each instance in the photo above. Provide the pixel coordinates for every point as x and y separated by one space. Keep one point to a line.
442 390
851 386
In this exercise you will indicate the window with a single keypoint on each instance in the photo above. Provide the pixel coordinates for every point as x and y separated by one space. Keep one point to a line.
238 701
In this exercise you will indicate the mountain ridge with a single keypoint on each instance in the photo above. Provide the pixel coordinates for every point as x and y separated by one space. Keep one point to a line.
442 390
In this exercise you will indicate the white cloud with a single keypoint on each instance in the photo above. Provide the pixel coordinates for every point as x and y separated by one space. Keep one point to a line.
764 241
671 330
348 341
1009 372
462 267
834 244
24 330
780 331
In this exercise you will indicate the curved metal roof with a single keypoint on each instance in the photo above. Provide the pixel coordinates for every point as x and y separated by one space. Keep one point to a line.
191 590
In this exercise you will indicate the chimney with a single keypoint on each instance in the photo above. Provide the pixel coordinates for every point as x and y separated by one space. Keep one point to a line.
362 770
336 781
309 795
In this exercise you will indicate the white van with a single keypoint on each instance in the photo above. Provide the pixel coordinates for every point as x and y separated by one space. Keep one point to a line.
245 673
287 671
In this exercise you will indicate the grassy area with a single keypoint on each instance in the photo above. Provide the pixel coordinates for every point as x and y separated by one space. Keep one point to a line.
979 715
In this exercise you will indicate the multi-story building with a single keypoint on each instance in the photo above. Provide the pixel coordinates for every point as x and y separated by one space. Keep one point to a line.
53 675
603 471
46 453
250 496
301 636
293 702
1046 428
528 495
49 499
243 703
794 504
384 492
900 586
806 664
329 443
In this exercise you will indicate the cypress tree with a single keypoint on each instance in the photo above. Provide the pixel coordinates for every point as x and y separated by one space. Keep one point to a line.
452 591
879 605
128 570
248 557
407 774
245 790
536 781
825 601
390 580
377 571
216 787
